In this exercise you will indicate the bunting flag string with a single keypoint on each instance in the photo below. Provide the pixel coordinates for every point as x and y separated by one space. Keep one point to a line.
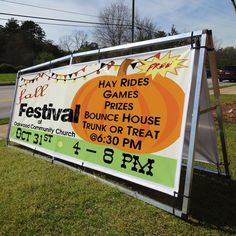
74 76
133 65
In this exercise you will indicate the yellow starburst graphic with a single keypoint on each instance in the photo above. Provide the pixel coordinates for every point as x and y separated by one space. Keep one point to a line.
162 65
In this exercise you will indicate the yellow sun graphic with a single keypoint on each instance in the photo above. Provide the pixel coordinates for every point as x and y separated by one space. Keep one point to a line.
162 65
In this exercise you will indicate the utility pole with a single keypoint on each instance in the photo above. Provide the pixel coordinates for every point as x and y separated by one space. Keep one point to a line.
133 21
234 4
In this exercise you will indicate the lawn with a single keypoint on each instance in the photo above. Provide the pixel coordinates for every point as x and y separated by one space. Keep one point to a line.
8 78
40 198
4 121
224 98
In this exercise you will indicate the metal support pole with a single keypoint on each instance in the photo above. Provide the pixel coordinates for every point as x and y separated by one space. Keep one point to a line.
71 59
234 5
127 46
12 107
215 83
133 6
193 132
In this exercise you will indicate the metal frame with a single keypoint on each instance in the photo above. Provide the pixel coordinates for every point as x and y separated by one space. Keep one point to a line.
194 126
204 39
213 69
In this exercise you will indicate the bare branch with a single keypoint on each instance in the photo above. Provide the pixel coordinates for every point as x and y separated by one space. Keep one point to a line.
66 43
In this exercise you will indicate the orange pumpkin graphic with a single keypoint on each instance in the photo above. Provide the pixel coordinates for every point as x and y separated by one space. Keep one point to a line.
159 99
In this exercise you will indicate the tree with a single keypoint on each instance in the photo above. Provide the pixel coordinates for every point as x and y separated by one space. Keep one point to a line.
86 46
226 56
43 57
32 30
23 44
66 43
116 17
117 28
146 29
73 42
173 30
160 34
11 26
78 38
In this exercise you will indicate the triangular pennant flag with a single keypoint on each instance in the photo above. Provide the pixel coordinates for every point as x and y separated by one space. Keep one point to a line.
65 76
116 67
157 55
22 79
53 74
109 67
76 73
70 75
84 69
133 65
102 65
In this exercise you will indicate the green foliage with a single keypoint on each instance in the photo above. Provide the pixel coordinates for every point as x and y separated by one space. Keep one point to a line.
226 57
43 57
11 26
86 46
22 44
7 78
223 98
7 68
32 30
173 30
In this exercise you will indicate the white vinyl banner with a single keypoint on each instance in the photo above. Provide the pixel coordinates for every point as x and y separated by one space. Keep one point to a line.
122 116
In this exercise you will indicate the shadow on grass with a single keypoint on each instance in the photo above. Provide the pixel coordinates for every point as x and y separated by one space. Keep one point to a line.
213 202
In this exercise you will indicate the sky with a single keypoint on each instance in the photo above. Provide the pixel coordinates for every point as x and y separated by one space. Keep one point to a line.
186 15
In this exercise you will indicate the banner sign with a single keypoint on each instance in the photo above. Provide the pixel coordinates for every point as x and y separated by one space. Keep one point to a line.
122 116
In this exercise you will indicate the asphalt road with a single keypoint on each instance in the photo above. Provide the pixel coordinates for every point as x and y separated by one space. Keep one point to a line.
6 98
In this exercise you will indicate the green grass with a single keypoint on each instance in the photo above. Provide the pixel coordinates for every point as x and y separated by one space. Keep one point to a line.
227 98
39 198
223 86
7 78
4 121
224 98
